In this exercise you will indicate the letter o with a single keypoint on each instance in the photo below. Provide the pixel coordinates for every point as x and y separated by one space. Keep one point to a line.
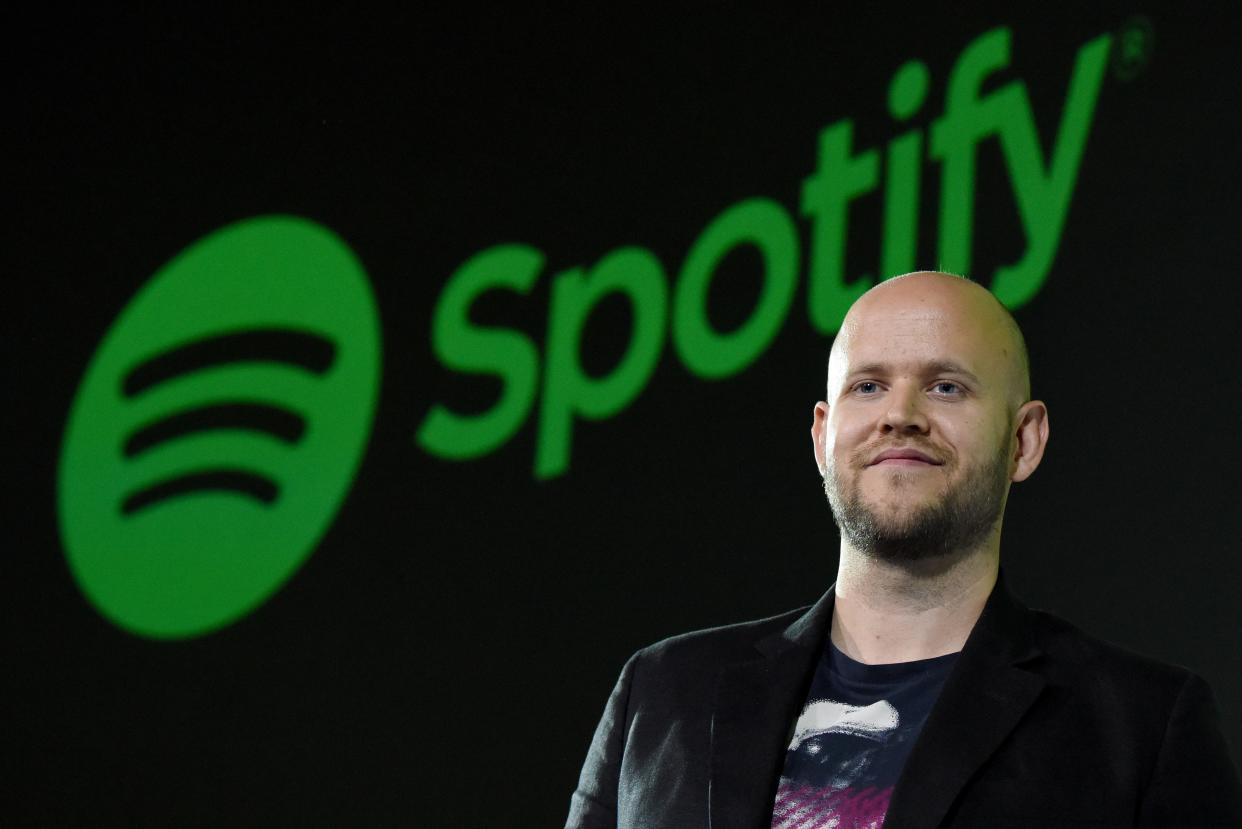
705 351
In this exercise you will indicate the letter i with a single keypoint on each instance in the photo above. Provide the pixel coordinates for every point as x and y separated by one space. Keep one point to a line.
901 185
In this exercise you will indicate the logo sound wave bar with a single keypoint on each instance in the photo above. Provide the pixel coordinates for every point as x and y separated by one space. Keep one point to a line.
293 348
296 349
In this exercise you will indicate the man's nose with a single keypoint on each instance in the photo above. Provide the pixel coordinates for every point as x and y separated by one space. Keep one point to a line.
904 413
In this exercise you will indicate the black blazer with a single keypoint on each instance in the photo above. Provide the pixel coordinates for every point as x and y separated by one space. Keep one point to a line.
1038 724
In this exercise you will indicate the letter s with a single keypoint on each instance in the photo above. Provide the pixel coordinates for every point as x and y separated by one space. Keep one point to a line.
468 348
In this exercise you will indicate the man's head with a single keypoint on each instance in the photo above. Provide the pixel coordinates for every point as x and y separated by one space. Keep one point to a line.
927 419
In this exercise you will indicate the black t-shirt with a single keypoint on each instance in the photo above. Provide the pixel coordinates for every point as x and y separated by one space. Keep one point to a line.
852 740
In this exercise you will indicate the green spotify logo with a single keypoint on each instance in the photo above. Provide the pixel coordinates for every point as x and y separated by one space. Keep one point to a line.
219 427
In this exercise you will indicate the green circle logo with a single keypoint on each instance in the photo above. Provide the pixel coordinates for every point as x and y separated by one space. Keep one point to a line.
219 426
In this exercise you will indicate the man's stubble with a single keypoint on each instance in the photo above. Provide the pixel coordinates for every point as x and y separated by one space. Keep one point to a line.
959 522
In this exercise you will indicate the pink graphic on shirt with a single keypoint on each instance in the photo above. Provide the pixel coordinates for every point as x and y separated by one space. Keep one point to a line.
830 779
800 806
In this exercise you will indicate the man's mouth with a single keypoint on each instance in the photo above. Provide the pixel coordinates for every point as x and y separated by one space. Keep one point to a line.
904 457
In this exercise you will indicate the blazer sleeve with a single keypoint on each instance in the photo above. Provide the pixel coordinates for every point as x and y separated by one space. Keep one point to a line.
594 802
1195 783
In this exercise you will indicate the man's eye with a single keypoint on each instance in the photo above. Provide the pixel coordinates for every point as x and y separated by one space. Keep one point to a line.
945 387
866 387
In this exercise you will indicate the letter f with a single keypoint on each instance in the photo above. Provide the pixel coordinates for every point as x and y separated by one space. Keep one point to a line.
1042 191
966 120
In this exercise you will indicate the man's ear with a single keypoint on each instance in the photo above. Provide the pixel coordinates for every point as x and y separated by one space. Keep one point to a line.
819 425
1030 439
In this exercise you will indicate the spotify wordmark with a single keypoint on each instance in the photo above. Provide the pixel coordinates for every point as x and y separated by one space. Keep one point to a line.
219 427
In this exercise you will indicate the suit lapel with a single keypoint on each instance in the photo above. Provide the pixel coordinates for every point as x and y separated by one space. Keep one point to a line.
982 701
756 704
757 701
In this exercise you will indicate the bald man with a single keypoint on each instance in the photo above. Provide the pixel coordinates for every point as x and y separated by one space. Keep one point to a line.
917 692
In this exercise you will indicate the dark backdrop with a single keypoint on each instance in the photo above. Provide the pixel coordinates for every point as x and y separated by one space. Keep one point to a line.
444 654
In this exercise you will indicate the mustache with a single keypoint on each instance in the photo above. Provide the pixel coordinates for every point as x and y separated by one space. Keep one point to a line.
861 457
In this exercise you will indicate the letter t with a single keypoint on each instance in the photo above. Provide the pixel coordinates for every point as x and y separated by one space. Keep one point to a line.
826 196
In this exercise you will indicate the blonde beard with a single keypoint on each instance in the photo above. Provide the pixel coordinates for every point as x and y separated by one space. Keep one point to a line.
957 524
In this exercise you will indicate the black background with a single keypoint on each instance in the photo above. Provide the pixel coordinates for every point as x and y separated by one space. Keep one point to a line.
443 657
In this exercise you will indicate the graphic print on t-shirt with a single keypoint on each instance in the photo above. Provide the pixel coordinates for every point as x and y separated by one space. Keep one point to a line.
851 741
829 777
826 717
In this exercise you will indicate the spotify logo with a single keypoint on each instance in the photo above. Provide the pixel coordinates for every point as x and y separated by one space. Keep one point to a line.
219 427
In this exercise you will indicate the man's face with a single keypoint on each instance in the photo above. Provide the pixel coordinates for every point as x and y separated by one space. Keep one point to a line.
915 440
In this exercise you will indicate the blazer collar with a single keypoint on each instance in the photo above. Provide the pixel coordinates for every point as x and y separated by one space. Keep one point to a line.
983 699
758 700
757 703
808 631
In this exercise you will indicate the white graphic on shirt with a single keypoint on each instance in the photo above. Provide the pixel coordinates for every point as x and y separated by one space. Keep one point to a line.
875 721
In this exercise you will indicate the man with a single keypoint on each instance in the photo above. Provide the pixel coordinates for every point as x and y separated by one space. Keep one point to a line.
917 692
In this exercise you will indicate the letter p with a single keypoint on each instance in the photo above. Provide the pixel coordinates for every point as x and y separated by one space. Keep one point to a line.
568 391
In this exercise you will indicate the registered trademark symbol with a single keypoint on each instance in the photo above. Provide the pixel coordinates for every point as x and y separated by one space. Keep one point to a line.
1132 48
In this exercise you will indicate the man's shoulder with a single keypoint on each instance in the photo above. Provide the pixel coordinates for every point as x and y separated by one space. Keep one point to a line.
699 655
1076 654
732 640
